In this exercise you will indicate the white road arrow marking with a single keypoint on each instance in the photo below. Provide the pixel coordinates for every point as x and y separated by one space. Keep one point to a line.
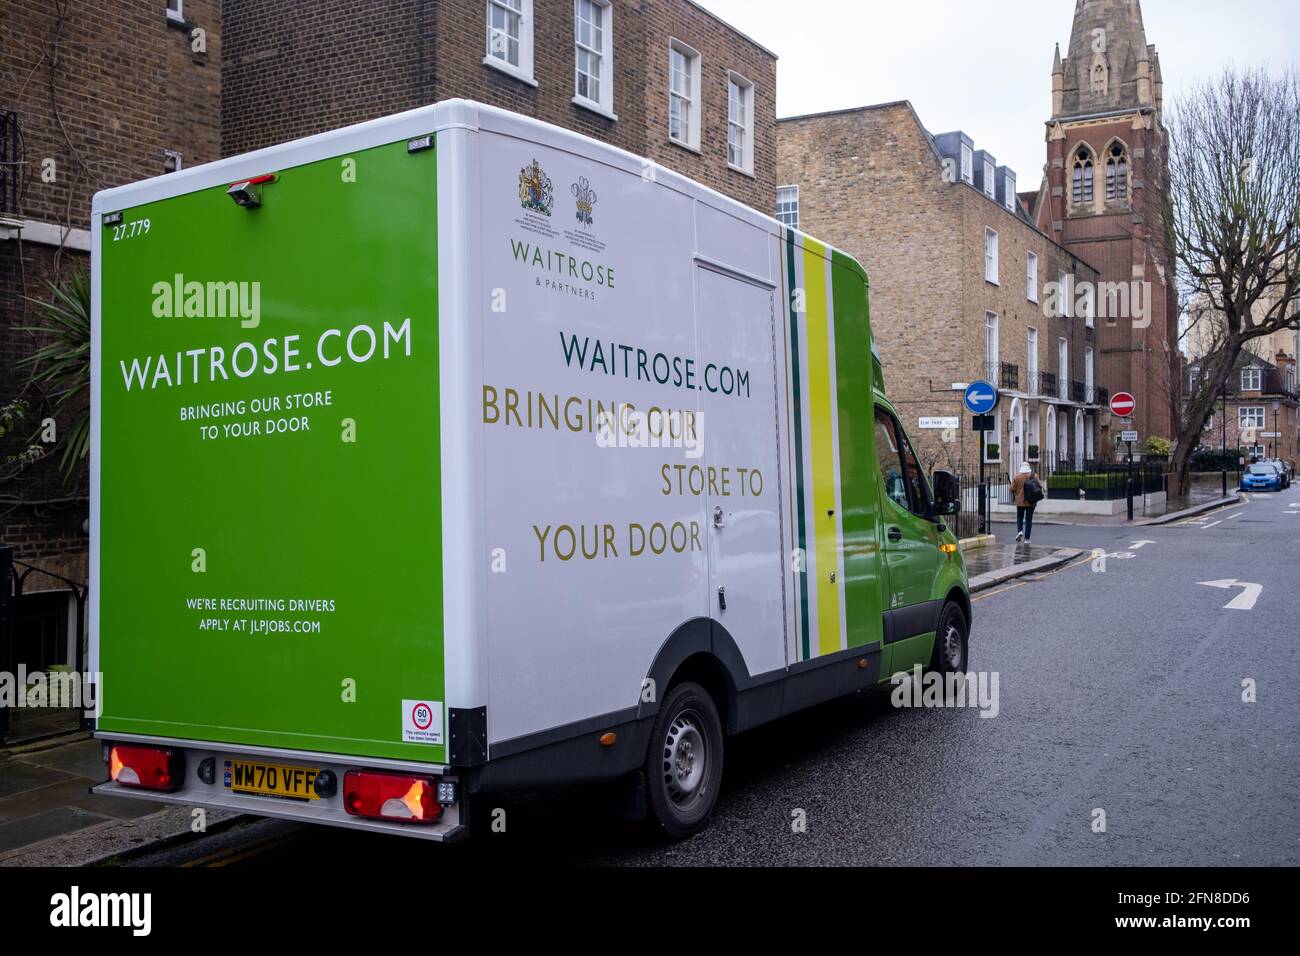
1139 545
1210 525
1244 601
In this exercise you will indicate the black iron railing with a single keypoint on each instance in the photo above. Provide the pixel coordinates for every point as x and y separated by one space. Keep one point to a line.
1010 376
9 169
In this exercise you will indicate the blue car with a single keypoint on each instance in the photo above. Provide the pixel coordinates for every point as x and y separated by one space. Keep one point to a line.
1261 476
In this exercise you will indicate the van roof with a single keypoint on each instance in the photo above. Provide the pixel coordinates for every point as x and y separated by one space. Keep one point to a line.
448 114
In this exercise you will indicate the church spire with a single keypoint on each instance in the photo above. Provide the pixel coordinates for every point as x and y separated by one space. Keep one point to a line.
1108 65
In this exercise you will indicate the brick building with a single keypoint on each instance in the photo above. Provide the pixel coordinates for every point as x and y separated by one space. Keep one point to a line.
92 95
963 285
661 78
1262 409
1101 193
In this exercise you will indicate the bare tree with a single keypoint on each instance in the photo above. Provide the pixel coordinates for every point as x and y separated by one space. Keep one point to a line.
1231 218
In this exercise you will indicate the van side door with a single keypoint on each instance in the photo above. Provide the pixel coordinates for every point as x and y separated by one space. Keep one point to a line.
910 544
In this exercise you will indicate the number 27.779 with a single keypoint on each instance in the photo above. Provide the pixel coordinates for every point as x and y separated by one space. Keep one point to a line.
129 230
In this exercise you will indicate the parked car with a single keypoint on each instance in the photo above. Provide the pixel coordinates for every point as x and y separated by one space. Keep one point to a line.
1286 469
1261 476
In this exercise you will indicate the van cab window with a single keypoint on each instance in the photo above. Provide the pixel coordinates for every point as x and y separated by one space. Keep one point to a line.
891 465
899 468
917 491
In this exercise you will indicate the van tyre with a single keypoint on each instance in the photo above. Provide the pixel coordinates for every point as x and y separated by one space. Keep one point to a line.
684 766
950 641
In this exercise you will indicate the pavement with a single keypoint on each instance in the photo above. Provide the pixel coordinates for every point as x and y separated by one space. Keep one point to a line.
44 793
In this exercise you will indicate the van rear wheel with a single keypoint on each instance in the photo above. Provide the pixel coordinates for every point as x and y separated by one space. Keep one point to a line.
950 641
684 766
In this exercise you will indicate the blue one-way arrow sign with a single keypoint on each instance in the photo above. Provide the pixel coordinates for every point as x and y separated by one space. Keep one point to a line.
980 397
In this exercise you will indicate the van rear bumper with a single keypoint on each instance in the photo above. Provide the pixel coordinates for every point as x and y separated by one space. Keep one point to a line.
327 811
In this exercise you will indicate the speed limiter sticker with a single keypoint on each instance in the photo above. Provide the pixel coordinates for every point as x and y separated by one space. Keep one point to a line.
422 721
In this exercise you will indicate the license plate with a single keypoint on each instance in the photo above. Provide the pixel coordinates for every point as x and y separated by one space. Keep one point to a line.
270 779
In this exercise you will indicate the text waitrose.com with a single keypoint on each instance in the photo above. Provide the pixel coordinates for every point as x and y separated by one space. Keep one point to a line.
357 345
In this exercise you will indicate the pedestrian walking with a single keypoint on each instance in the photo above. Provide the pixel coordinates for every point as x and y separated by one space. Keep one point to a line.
1028 491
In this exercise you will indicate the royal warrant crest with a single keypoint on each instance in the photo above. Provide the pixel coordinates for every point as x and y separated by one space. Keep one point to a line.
535 192
585 198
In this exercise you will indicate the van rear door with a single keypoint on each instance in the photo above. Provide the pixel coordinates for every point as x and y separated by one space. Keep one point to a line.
267 527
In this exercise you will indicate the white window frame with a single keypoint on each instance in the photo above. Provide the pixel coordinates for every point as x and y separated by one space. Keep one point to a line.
1256 375
1031 277
745 90
605 105
1009 200
990 180
176 10
1089 304
1031 362
992 346
524 69
173 155
1063 368
783 215
990 255
1251 412
1087 374
693 71
1257 451
1066 294
967 164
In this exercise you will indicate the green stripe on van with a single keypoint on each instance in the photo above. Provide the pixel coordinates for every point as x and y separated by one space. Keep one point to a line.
854 372
801 539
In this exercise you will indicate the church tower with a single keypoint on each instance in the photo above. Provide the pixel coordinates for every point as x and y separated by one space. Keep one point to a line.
1102 196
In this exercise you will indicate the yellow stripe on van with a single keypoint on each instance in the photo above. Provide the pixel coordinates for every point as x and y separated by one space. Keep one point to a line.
821 441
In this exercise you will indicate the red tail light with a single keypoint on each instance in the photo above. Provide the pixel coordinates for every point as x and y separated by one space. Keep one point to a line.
148 768
391 796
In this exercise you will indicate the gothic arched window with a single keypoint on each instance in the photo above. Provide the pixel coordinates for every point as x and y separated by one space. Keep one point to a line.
1082 176
1117 172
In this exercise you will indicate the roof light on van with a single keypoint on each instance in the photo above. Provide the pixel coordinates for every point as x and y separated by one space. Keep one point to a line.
391 796
248 192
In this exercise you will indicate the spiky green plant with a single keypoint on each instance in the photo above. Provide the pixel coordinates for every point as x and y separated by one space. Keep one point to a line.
63 362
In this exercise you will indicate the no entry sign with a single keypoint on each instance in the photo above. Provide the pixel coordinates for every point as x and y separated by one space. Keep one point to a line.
1122 404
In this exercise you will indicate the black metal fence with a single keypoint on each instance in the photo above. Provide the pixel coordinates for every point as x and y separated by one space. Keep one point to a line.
15 648
1095 480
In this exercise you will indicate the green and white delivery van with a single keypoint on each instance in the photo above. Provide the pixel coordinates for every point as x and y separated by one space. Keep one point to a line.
454 451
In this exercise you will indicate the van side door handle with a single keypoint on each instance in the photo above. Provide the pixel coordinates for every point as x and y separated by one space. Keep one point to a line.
895 534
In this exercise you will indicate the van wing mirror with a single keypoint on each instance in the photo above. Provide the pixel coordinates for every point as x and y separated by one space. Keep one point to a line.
947 493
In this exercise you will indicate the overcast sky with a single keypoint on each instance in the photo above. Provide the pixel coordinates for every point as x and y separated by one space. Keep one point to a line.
986 67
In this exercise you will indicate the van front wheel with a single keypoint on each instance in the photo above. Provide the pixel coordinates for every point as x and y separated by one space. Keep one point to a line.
684 766
950 642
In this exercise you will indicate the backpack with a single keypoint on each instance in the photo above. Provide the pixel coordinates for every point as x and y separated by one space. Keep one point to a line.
1033 490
